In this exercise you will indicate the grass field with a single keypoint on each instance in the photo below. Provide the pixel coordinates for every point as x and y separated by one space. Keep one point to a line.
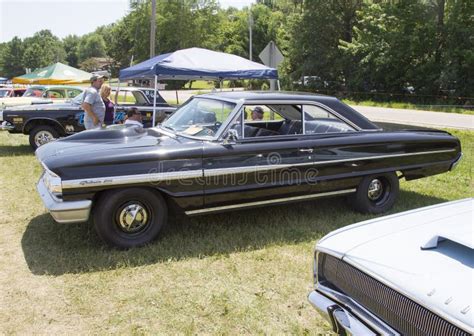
409 106
243 272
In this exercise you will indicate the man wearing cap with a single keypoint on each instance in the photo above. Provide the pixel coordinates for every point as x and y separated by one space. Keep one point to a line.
93 104
257 113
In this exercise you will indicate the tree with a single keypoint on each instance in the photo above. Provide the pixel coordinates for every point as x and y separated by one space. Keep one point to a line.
42 49
92 45
71 46
89 65
313 41
12 58
458 57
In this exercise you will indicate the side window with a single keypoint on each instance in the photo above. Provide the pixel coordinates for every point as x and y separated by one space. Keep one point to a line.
268 120
320 121
124 97
71 93
54 94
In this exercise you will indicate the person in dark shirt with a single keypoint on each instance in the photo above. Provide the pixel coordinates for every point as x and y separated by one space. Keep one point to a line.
109 105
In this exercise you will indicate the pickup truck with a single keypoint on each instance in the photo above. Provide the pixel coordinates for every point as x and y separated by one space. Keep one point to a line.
44 123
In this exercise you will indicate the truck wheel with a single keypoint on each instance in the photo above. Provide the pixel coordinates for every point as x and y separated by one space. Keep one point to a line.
376 193
42 134
129 217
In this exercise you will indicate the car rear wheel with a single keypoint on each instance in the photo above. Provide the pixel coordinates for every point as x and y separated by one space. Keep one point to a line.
129 217
42 134
376 193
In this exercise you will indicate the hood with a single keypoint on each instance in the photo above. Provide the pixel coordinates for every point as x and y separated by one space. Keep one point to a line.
43 105
426 254
110 146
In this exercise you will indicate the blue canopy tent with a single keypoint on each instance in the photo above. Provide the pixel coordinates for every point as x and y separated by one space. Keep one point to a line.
197 63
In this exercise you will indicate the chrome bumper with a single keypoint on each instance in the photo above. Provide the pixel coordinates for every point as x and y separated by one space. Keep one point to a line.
456 162
64 212
348 318
6 126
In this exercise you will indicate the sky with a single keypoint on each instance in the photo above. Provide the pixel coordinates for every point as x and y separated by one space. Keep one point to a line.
23 18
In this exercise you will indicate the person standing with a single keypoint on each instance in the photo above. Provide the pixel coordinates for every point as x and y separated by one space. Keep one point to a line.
93 104
109 106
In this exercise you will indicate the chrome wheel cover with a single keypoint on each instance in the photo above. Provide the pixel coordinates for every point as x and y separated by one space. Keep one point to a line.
375 190
133 218
43 137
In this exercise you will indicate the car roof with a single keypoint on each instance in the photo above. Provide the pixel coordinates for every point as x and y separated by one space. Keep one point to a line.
132 88
268 95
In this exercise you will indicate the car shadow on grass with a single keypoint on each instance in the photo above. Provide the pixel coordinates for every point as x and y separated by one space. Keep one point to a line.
20 150
55 249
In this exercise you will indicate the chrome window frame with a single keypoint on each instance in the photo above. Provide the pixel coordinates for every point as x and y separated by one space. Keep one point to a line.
243 102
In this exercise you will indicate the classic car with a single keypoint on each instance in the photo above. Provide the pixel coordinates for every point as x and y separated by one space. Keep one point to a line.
42 94
209 156
47 122
410 273
10 92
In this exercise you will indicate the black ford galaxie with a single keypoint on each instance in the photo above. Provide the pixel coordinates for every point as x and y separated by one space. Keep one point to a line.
215 154
46 122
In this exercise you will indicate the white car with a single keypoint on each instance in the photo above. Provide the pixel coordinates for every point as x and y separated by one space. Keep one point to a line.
410 273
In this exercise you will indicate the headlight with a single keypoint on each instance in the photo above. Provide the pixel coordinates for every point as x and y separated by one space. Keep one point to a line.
52 182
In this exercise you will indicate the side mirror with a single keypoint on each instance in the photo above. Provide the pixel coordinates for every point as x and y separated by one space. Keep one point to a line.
231 137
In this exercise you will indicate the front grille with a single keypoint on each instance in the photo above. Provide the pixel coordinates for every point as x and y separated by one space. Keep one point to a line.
401 313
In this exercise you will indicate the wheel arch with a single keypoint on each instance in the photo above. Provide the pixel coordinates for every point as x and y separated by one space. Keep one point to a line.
33 122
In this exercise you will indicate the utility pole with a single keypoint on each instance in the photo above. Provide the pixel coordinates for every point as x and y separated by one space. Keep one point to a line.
152 28
250 32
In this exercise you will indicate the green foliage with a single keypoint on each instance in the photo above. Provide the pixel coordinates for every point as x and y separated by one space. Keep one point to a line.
419 44
71 46
89 65
415 50
42 49
12 58
92 45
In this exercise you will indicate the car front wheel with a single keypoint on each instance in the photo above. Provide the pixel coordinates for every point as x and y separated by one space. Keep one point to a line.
129 217
376 194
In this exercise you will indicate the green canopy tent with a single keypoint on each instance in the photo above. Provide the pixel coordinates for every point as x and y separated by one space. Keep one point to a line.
57 73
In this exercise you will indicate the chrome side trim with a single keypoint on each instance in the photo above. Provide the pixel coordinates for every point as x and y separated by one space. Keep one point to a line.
199 173
131 179
277 200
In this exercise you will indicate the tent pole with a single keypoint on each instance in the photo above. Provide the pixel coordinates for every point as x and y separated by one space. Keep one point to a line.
154 102
220 84
278 85
117 92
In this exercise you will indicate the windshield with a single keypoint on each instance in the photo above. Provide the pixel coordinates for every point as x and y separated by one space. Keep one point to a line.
78 99
199 117
4 93
33 92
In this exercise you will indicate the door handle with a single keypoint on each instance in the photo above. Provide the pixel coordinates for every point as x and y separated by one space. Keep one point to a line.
306 150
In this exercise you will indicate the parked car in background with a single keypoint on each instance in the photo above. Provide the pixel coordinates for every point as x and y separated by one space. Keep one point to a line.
209 156
46 122
10 92
406 274
42 94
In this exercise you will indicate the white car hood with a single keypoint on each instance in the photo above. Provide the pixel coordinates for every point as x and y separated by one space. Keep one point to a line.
391 249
